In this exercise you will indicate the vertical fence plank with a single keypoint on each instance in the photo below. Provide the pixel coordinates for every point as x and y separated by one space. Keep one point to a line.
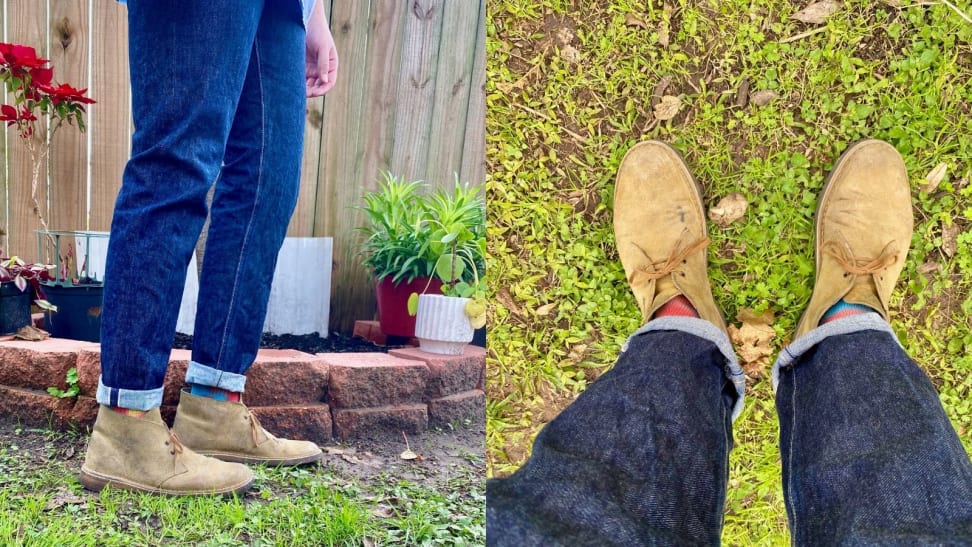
420 52
26 24
110 120
474 143
4 220
69 154
452 82
343 112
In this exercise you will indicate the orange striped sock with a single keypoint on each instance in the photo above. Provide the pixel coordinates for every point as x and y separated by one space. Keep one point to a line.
677 307
129 411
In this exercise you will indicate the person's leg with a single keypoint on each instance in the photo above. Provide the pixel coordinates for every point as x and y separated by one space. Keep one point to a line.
868 453
255 196
869 456
640 458
187 72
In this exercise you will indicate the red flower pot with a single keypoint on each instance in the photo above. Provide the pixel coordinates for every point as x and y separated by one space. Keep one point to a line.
392 300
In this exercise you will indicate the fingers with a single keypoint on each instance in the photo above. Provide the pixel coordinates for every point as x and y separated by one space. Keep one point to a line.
325 76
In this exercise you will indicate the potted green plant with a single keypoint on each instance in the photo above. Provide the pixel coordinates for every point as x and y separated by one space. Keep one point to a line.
36 102
74 288
397 249
446 322
19 286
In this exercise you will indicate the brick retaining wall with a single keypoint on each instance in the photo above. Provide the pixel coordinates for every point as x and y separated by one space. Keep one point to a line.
295 394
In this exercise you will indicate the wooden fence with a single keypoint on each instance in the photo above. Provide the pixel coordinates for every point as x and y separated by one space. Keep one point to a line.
410 99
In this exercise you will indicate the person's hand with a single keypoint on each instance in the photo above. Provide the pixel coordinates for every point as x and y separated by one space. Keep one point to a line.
322 57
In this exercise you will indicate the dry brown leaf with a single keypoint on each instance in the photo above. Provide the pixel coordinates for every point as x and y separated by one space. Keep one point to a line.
577 353
32 333
934 178
816 13
504 297
729 209
752 343
546 308
570 54
763 97
633 20
930 267
749 315
664 29
950 239
668 107
63 497
383 511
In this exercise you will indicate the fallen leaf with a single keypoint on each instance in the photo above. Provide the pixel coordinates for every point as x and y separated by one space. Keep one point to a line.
950 239
753 340
407 454
934 178
546 308
504 297
763 97
383 511
729 209
742 96
816 13
664 27
668 107
577 353
633 20
570 54
32 333
930 267
63 497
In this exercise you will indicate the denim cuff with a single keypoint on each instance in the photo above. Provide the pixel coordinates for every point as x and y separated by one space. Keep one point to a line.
209 376
135 399
847 325
707 331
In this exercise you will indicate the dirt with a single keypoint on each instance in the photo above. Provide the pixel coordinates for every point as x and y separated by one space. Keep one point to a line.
443 455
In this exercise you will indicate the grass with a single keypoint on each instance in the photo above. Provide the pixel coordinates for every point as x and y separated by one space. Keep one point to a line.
42 503
571 87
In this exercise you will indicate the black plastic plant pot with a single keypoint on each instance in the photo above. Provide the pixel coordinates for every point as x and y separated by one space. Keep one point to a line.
78 315
14 308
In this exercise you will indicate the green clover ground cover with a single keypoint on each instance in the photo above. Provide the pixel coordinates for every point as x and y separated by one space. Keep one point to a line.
572 85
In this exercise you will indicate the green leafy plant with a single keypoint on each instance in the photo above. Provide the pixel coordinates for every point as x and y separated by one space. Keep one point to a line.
73 389
456 222
396 240
26 275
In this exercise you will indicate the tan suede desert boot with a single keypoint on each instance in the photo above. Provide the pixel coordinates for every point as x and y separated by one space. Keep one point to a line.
863 231
659 225
228 431
142 454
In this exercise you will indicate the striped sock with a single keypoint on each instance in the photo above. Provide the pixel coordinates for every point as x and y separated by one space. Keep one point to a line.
129 411
843 309
677 307
215 393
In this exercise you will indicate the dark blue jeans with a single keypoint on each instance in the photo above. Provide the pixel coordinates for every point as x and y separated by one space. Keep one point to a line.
217 96
640 458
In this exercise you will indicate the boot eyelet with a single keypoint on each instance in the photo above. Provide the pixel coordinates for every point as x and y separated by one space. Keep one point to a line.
684 261
683 274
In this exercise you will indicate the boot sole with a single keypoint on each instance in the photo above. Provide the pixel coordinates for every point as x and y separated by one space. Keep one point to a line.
253 460
97 482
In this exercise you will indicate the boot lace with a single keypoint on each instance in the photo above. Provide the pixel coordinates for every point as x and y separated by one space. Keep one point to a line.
176 445
653 270
255 429
844 255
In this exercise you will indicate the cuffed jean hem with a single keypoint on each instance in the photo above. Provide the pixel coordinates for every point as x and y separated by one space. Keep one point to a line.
209 376
135 399
847 325
707 331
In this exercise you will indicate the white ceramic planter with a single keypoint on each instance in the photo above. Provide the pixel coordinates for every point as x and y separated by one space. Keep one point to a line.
441 325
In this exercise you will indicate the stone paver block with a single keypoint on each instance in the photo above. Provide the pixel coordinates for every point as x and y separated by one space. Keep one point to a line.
38 365
304 422
452 409
359 380
449 374
285 377
35 408
85 412
380 422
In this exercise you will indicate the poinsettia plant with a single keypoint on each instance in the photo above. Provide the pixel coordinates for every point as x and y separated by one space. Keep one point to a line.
26 275
37 102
